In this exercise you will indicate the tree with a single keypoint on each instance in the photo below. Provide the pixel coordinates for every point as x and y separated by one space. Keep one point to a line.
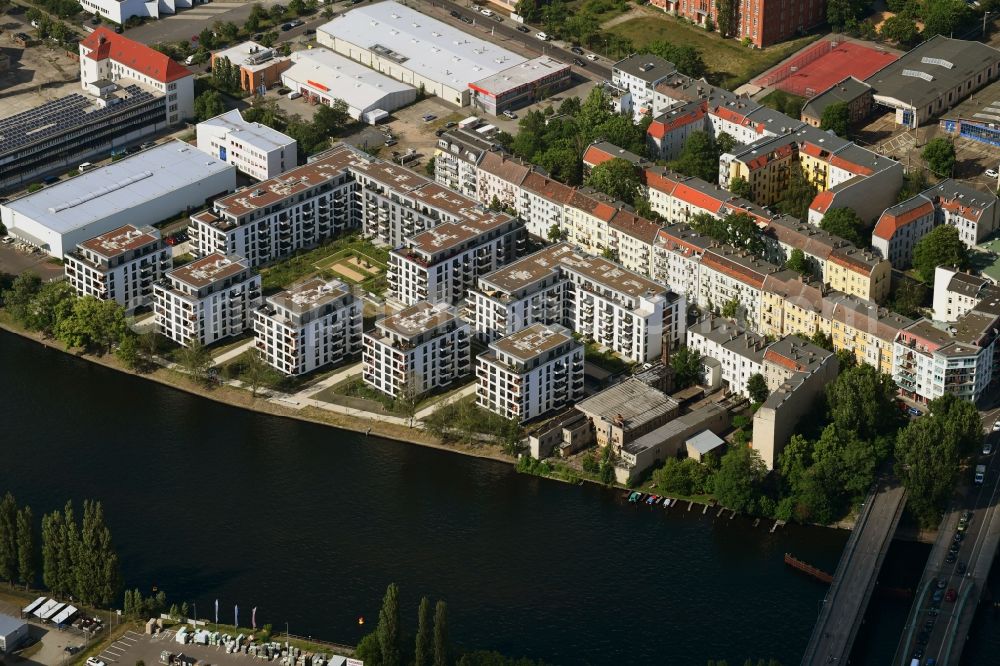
257 14
822 340
726 15
26 548
927 463
17 300
908 298
943 17
367 650
208 105
128 351
686 58
683 477
739 479
229 31
98 570
387 631
939 154
960 420
555 234
757 387
840 14
844 222
53 535
331 119
914 182
836 117
699 157
255 373
731 308
901 29
52 303
442 649
93 324
797 261
863 401
617 178
798 195
277 13
424 652
8 537
297 7
741 187
686 364
196 359
941 247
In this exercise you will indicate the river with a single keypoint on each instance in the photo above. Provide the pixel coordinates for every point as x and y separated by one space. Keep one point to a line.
309 524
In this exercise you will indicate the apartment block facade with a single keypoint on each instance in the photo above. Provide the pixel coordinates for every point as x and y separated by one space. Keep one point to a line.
531 372
416 350
207 300
312 324
121 266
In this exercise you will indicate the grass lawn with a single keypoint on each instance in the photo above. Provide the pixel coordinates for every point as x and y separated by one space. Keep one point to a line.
606 359
787 103
285 272
729 63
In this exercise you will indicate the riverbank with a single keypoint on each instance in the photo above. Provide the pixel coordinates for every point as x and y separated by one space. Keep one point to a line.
242 399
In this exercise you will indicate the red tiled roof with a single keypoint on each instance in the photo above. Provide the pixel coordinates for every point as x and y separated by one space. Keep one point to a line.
846 165
598 209
841 258
660 181
889 224
594 156
959 208
104 43
546 187
822 202
734 270
783 361
658 128
635 226
697 198
814 150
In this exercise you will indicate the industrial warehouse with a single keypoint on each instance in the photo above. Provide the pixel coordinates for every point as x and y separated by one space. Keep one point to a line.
322 76
145 188
445 61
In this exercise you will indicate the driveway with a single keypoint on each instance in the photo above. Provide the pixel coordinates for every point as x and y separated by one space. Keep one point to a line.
16 261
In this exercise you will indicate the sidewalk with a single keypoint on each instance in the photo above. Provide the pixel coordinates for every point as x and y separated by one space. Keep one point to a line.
233 353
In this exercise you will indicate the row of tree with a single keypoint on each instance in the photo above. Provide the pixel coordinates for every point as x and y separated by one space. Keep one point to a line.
18 549
388 646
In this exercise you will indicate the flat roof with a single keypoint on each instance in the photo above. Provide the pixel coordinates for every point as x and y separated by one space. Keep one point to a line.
519 75
418 318
121 240
700 417
333 74
633 401
983 107
426 46
249 50
646 66
705 441
309 294
209 270
9 624
532 341
845 91
119 186
931 69
796 354
452 235
253 134
604 272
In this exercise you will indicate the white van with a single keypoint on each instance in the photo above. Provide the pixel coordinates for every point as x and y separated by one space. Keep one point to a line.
86 166
542 36
189 60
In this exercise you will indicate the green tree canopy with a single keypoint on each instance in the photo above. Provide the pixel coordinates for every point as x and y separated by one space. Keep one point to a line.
797 261
844 222
741 187
424 649
683 477
686 364
208 105
901 29
836 117
939 154
739 480
797 197
941 247
699 157
757 387
617 178
442 645
862 401
388 631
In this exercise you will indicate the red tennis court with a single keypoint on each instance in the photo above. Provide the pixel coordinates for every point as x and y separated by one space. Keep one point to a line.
823 64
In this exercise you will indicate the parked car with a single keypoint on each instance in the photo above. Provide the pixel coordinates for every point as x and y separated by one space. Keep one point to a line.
542 36
592 56
94 661
486 12
450 124
467 19
71 649
950 595
961 568
950 559
579 63
48 180
937 596
391 142
510 115
285 27
992 173
455 14
296 23
576 49
987 448
429 117
942 583
147 144
523 28
118 29
913 411
996 425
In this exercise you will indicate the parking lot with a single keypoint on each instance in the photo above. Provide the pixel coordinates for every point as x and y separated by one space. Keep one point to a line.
37 73
15 259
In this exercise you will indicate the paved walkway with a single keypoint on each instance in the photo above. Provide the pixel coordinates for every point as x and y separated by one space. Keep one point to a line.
458 395
233 353
344 373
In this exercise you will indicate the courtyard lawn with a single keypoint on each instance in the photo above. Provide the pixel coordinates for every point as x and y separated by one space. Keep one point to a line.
730 64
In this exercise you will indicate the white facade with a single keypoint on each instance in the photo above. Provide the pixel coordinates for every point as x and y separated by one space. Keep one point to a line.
107 56
639 74
325 76
312 324
740 353
255 149
120 11
957 293
457 158
418 349
145 188
929 362
623 311
207 300
726 276
416 49
529 373
121 266
901 227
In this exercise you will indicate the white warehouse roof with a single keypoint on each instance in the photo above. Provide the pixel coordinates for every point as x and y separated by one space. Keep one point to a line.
256 135
426 46
118 186
342 78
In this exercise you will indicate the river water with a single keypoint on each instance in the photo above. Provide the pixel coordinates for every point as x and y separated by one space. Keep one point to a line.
309 524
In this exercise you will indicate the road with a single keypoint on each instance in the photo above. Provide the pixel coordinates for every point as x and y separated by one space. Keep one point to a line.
938 629
855 578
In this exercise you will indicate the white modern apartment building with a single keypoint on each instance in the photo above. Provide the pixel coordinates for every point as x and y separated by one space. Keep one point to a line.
739 353
621 310
530 373
639 74
418 349
270 220
108 58
441 264
312 324
960 359
255 149
121 265
207 300
956 293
